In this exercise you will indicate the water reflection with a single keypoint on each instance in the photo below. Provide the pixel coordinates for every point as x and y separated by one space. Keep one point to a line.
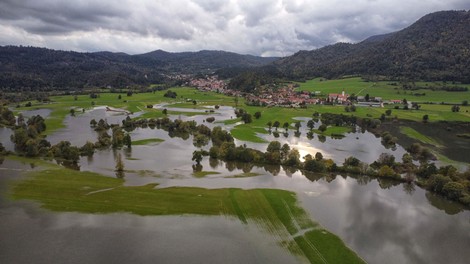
382 225
5 135
385 226
383 222
122 238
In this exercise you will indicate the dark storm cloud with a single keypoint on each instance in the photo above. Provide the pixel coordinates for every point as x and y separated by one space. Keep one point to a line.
50 17
260 27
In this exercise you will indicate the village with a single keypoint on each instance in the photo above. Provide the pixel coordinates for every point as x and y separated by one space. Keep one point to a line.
287 95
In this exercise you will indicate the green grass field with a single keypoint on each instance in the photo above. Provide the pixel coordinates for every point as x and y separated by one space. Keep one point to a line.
385 90
148 141
202 174
276 211
410 132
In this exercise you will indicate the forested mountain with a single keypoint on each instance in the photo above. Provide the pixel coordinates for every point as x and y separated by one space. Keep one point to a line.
206 59
436 47
30 68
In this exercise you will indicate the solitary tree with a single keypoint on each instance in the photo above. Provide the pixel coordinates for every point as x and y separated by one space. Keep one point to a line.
322 128
276 124
269 124
127 140
286 126
197 157
93 123
119 163
297 125
318 156
310 124
257 115
425 118
246 118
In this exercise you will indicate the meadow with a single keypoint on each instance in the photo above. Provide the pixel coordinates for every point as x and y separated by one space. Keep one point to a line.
387 90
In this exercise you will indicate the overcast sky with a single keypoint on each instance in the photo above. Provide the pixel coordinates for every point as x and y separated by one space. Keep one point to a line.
257 27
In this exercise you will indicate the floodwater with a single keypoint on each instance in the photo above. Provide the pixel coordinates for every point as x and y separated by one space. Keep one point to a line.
384 222
445 134
5 135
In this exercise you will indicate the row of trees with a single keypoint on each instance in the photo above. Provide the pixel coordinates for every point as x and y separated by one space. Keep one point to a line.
445 180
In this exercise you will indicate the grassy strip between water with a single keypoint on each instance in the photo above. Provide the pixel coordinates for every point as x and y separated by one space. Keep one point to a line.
276 211
248 133
410 132
148 141
464 135
244 175
334 131
202 174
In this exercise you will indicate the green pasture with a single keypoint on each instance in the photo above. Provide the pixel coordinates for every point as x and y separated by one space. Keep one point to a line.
276 211
410 132
202 174
385 90
247 132
334 130
147 141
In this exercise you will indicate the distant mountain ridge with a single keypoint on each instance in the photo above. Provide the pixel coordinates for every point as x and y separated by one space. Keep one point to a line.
211 59
41 68
436 47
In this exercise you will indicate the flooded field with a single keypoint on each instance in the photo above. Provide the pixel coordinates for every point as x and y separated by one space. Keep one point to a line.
382 221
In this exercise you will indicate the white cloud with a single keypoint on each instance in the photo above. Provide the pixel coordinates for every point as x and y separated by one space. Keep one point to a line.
259 27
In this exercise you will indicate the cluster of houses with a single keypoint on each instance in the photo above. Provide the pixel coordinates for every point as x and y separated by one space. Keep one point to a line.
211 83
344 98
287 96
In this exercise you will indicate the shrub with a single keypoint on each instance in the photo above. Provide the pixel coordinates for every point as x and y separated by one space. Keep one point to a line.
453 190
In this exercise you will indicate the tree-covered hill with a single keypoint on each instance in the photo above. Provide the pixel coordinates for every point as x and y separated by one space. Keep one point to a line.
30 68
436 47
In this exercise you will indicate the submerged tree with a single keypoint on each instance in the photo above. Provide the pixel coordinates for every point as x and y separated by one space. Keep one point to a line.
310 124
276 124
119 166
286 126
197 156
297 125
270 125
